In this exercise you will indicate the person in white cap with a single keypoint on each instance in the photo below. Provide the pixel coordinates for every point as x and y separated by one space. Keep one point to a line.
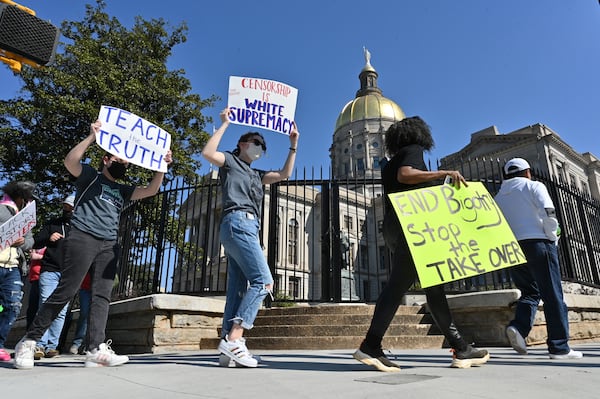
530 212
51 236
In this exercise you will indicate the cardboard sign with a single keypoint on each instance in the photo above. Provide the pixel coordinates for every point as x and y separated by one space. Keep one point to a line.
453 234
262 103
132 138
17 226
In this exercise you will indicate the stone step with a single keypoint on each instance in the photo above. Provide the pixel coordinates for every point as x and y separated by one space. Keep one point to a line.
336 327
337 309
322 342
337 319
334 330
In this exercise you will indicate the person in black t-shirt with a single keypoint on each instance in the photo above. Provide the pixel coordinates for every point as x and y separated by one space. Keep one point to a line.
405 143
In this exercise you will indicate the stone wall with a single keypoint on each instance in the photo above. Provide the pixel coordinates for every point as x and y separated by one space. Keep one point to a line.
483 316
170 323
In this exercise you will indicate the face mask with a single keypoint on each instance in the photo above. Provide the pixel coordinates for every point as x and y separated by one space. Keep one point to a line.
253 151
117 169
67 215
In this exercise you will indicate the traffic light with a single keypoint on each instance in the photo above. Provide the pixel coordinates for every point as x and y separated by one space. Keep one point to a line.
24 37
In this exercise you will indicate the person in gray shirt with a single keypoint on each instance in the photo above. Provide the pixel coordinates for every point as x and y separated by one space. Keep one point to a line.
249 278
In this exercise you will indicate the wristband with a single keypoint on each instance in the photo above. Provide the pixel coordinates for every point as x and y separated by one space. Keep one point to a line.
292 149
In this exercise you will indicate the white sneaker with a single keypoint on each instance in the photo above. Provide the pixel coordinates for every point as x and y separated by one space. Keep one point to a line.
237 351
516 340
566 356
104 356
226 361
24 353
74 350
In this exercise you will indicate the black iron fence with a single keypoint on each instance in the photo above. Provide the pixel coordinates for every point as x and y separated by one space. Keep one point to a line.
322 239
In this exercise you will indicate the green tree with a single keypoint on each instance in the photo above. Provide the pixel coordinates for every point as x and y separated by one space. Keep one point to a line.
100 63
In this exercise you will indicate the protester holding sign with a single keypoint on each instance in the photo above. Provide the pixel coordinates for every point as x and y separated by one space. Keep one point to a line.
92 241
249 279
405 142
530 212
17 194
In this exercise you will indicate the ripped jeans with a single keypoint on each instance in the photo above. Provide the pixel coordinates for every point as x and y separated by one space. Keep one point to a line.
248 273
11 293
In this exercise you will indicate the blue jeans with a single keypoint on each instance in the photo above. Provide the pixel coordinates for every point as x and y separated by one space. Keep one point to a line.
248 273
48 283
537 279
85 299
11 294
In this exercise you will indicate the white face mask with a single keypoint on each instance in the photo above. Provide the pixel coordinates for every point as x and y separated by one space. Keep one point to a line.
254 151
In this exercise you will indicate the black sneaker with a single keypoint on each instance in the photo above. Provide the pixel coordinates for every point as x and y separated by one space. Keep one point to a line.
375 358
469 357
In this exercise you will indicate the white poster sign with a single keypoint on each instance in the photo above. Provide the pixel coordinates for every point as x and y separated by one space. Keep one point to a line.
17 226
133 138
262 103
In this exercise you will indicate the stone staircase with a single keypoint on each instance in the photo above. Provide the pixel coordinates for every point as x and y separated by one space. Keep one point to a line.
336 327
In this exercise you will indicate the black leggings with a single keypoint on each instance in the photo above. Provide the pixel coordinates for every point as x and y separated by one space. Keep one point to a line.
402 277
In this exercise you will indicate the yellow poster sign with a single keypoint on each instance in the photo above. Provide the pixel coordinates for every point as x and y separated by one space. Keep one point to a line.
455 233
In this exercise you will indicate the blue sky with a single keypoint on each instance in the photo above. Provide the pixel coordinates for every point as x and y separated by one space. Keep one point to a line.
462 65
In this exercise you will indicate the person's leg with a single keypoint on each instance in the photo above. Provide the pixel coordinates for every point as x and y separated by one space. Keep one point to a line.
11 295
440 312
85 297
529 300
543 260
403 275
79 252
401 278
249 279
34 301
104 270
103 276
48 283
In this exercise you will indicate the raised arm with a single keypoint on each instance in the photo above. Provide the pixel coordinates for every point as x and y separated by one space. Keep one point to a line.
275 176
209 152
73 159
152 188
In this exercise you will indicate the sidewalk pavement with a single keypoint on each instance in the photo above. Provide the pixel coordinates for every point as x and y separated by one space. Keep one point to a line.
311 374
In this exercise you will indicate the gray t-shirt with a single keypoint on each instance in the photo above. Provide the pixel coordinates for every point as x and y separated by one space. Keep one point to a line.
98 204
242 186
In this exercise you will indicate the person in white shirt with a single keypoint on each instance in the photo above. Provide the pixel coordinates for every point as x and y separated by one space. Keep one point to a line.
530 212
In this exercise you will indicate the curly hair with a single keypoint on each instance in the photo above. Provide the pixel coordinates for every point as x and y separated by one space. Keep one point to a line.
245 137
20 189
412 130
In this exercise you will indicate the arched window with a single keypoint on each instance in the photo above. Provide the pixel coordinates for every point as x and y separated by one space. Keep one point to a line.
293 230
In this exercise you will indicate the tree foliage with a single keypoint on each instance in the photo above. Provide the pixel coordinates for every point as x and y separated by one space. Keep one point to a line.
100 63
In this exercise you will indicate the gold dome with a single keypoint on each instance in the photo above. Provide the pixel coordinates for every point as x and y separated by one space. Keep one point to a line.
370 106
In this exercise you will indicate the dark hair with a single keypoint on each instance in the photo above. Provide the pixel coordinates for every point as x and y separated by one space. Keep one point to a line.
520 173
407 131
20 189
245 137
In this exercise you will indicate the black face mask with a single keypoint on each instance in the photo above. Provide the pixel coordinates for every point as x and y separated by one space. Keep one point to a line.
117 170
67 215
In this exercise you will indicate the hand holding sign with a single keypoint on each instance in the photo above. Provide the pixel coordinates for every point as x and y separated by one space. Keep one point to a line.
132 138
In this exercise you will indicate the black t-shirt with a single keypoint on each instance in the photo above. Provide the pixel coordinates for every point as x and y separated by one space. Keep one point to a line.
410 155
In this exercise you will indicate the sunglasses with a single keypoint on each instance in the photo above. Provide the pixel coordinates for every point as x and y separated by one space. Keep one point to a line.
258 142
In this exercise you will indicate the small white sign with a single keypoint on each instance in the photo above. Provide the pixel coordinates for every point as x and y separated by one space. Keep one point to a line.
133 138
17 226
262 103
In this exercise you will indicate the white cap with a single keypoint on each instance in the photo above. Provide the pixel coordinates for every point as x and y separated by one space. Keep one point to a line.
70 200
516 165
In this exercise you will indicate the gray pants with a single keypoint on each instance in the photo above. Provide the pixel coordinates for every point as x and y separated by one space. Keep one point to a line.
83 252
